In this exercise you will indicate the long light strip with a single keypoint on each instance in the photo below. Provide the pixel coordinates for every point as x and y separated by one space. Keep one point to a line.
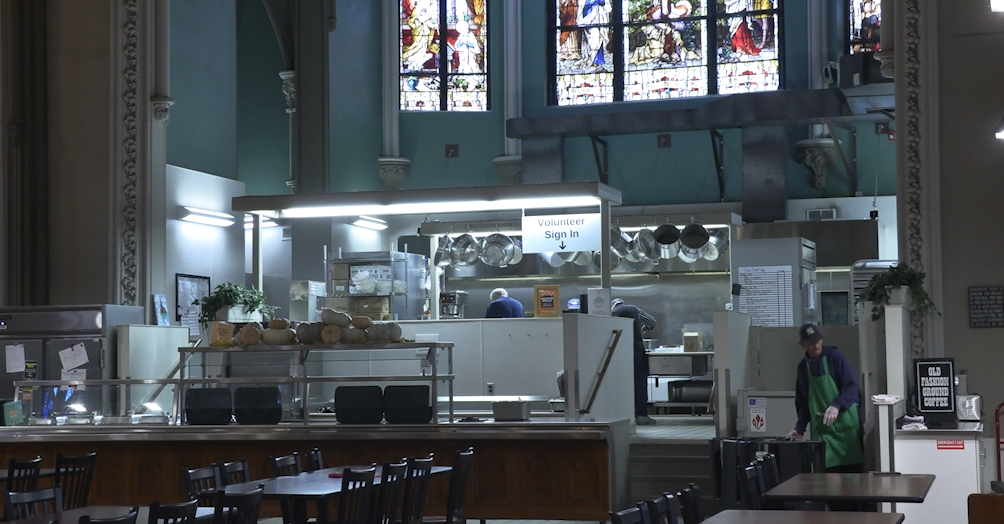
265 222
434 207
204 216
370 223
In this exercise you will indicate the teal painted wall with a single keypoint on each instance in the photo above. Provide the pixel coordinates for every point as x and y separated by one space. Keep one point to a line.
356 114
262 122
202 134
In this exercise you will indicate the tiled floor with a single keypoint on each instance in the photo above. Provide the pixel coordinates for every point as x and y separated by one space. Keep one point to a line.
677 427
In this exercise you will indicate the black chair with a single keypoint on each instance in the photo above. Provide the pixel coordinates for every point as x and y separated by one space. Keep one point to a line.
771 475
128 518
627 516
416 486
236 472
288 466
461 471
690 507
695 491
315 461
74 474
183 513
22 475
752 496
389 496
201 484
355 500
238 508
662 510
26 504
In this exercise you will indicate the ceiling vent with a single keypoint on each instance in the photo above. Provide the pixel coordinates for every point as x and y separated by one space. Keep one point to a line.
829 213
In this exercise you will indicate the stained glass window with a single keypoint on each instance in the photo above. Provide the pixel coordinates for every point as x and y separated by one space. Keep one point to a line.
865 18
625 50
444 55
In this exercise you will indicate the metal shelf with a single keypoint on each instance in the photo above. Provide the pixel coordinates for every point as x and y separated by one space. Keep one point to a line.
365 260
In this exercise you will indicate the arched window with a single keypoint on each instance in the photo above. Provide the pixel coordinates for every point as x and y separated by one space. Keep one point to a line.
622 50
865 21
444 55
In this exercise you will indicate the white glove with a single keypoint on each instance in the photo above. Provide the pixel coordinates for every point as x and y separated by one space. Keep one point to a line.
794 435
830 416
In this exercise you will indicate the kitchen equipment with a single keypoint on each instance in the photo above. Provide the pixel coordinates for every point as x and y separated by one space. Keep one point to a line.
667 234
579 258
407 404
552 259
514 411
650 343
497 250
442 258
645 243
620 242
557 405
452 304
718 244
258 405
517 253
613 259
634 254
358 404
465 250
693 242
969 408
213 406
384 286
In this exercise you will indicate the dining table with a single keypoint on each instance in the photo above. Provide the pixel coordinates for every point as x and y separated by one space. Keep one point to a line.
745 516
853 487
71 516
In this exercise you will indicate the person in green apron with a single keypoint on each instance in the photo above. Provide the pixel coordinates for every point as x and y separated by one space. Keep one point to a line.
826 399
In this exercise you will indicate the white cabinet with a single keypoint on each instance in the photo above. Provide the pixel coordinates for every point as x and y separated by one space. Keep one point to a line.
956 460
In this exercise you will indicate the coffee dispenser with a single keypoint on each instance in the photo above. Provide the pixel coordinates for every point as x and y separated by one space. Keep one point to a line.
453 304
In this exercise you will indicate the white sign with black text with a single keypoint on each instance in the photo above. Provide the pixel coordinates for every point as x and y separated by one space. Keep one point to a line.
555 233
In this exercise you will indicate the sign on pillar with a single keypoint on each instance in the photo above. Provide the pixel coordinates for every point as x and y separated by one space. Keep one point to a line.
555 233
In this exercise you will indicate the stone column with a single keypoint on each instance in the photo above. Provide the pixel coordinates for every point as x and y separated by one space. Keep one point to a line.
393 168
310 43
289 91
509 167
887 56
157 280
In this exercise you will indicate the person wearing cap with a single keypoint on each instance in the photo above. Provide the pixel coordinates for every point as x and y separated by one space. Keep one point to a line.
642 322
826 399
503 306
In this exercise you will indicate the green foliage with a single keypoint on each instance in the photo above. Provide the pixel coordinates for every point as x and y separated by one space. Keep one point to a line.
898 276
233 295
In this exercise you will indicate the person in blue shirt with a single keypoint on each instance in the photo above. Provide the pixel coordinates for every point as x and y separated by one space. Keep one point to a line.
503 306
826 399
642 322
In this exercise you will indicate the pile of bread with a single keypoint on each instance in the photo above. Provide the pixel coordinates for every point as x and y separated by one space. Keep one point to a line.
335 327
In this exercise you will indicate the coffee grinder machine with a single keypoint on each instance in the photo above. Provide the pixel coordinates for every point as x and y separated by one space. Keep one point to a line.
453 304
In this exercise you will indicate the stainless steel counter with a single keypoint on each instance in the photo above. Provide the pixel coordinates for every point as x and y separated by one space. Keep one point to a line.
531 430
964 428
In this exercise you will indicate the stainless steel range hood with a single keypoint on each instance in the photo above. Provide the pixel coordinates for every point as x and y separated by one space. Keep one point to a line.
839 243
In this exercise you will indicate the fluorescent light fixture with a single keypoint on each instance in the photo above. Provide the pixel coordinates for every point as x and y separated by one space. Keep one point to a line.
78 407
203 216
265 222
997 6
999 133
425 201
370 223
152 406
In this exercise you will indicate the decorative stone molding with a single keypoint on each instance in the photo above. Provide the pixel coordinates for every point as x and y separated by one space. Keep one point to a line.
289 89
817 154
912 160
393 171
130 141
291 184
509 168
888 61
162 109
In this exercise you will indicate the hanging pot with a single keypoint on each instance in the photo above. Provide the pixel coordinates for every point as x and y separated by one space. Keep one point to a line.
613 260
442 258
668 237
717 245
620 242
552 259
517 253
693 242
465 250
645 244
579 258
497 250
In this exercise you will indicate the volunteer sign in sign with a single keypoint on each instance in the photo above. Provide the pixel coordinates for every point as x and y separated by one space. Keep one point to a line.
936 385
552 233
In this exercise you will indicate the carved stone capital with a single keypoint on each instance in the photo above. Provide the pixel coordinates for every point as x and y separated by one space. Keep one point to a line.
162 109
888 61
291 184
509 168
393 171
817 154
289 89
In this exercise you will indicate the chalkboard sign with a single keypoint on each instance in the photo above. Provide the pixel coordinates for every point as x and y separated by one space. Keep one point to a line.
986 306
936 385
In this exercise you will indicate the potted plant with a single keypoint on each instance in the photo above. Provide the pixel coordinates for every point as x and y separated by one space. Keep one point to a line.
234 303
899 278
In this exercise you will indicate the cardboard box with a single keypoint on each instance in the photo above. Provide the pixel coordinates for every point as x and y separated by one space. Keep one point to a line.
372 305
546 301
345 304
691 341
339 271
339 287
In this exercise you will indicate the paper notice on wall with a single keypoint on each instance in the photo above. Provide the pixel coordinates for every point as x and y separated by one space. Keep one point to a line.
191 321
73 374
15 358
74 356
758 420
766 295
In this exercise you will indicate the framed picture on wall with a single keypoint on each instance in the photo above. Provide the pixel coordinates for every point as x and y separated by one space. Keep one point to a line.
189 288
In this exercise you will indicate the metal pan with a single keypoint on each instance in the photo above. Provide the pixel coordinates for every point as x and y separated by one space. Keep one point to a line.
465 250
552 259
620 242
693 242
517 253
579 258
644 241
718 244
668 237
497 250
613 259
442 258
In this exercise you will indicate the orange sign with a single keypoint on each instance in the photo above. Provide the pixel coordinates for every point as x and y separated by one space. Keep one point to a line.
546 301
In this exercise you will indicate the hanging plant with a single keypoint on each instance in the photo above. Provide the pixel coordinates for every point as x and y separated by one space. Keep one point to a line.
877 291
233 295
